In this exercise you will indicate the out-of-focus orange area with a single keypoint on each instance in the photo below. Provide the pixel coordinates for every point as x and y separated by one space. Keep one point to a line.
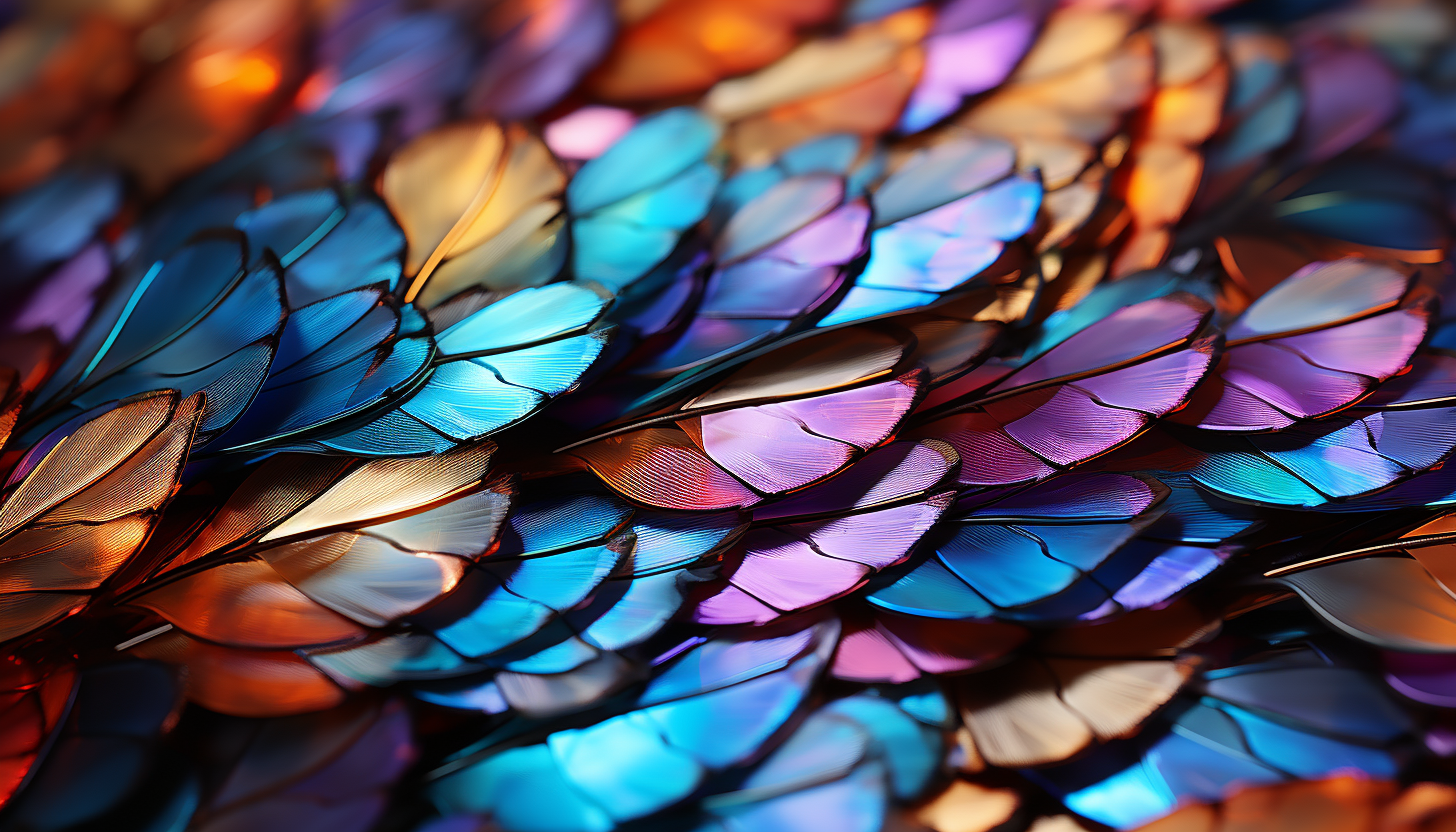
856 82
1340 804
161 88
57 80
677 47
245 74
223 65
1166 164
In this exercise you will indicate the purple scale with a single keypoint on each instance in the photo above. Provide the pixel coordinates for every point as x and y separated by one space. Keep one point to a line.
1154 387
1424 677
768 451
862 416
1069 427
1235 409
767 288
1170 573
988 456
877 539
1125 334
1288 382
885 474
1083 496
1349 93
789 574
961 64
834 238
63 302
1376 347
1432 378
731 605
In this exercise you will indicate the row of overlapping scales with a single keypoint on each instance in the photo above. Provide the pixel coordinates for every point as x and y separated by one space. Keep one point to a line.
735 466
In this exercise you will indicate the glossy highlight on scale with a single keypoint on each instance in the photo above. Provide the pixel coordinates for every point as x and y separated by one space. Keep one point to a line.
727 416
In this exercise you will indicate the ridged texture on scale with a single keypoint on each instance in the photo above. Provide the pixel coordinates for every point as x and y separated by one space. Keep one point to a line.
727 416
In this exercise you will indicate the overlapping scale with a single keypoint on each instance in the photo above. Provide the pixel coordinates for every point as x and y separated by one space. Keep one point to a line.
1011 556
1094 391
1392 602
781 260
502 360
1312 345
881 646
957 336
1386 207
1393 593
337 358
657 750
971 415
941 219
848 765
1080 688
856 159
317 235
332 771
202 321
343 366
1195 535
631 202
1105 298
855 82
572 583
1335 459
1295 94
1260 113
314 552
1295 716
783 421
480 205
1370 205
972 47
1065 105
829 539
104 727
82 502
1165 163
522 590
